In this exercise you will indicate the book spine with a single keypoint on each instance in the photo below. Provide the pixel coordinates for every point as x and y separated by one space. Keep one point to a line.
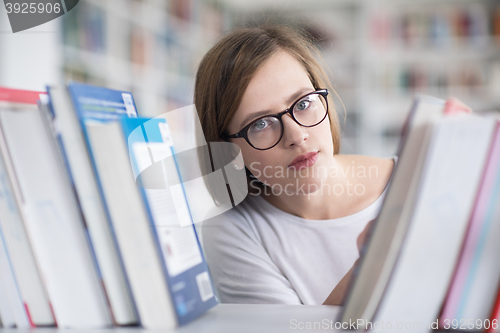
54 223
186 273
99 230
23 261
52 127
30 277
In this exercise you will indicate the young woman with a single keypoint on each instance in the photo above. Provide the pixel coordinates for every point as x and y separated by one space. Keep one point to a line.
294 239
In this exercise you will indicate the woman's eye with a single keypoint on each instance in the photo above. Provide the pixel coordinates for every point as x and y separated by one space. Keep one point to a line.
302 105
260 124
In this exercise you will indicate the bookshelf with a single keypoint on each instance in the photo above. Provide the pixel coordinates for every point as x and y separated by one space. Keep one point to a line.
243 318
440 49
148 47
152 48
29 59
380 53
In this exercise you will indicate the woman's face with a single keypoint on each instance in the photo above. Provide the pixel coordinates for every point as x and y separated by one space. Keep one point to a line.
275 86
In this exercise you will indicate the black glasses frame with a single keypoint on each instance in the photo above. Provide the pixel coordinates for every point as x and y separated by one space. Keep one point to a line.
243 133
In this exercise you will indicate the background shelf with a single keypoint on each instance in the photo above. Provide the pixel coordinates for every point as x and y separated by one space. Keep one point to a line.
378 53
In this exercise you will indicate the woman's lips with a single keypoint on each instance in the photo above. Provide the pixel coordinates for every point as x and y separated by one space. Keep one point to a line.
304 161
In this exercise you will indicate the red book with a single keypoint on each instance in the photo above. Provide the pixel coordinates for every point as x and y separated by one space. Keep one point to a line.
455 106
19 96
495 316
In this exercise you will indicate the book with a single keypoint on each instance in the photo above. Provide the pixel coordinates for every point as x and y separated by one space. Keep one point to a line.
478 272
454 164
130 225
495 315
380 254
130 215
151 148
53 220
26 97
24 263
74 149
99 111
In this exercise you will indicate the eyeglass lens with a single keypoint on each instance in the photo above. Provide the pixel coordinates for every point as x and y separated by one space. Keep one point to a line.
308 111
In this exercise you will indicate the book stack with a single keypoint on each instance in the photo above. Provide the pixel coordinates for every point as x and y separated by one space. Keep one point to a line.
431 261
82 243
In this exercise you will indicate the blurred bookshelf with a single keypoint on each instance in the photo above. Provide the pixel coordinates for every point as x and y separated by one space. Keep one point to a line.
149 47
446 48
380 53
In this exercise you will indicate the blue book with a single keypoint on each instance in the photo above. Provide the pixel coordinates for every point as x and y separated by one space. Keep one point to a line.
93 101
101 103
157 175
162 293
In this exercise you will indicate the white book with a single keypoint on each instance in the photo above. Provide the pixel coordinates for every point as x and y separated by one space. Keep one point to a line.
392 222
452 172
18 244
53 221
74 148
131 225
12 311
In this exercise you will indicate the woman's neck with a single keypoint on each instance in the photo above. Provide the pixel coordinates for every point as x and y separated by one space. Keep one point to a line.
341 195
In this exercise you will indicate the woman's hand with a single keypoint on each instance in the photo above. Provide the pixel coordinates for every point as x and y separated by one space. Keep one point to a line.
337 295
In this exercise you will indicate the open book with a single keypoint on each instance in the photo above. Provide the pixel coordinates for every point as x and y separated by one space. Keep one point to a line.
416 242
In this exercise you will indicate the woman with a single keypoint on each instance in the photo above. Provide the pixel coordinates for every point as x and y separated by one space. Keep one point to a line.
293 240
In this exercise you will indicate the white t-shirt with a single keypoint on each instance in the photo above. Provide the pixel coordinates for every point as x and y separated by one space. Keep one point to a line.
258 253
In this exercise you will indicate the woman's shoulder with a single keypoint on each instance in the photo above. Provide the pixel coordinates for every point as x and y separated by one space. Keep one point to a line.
366 160
373 173
369 166
234 223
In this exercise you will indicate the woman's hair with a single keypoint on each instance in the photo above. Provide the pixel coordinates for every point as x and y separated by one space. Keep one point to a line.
226 70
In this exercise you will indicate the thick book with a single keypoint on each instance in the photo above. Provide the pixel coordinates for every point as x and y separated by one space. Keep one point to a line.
130 217
156 172
53 220
73 146
99 110
456 157
12 222
131 225
478 271
381 252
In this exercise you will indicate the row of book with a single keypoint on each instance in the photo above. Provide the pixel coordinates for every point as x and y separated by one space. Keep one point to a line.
82 243
127 31
470 78
434 27
432 261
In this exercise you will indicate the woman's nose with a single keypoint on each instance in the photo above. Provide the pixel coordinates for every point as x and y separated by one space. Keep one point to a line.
293 133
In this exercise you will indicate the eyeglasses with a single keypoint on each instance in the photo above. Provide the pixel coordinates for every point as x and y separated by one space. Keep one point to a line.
265 132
